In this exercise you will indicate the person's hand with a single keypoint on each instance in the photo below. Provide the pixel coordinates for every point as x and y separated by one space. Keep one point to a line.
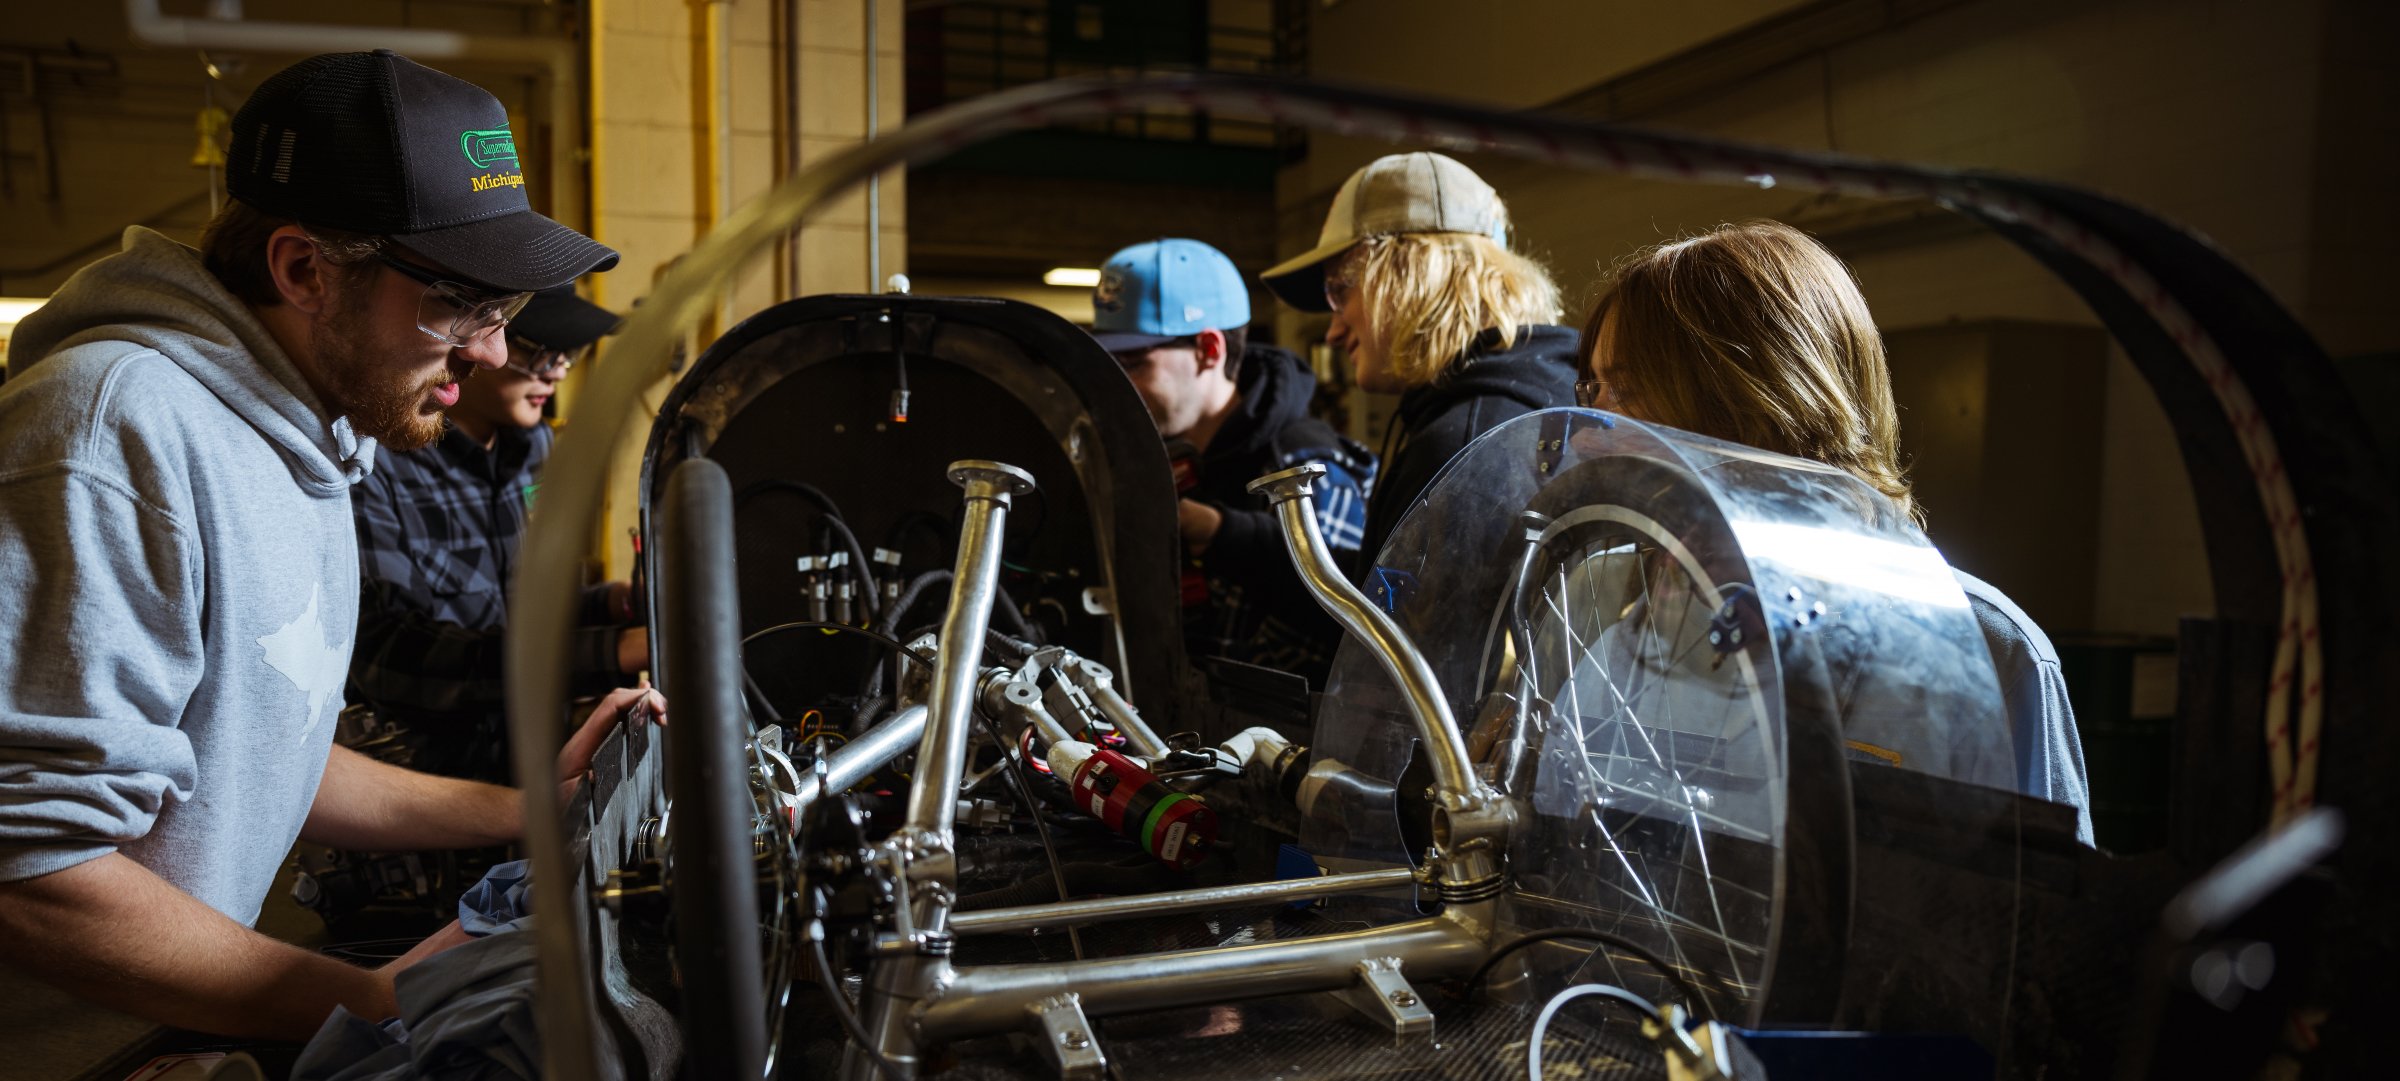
634 705
633 650
1199 523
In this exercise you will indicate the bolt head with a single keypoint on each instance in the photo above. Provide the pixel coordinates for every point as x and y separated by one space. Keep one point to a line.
1403 999
1074 1040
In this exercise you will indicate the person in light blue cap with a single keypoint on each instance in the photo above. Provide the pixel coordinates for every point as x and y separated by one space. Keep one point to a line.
1175 313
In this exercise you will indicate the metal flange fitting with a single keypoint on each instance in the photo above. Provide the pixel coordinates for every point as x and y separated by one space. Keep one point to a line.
1289 484
996 481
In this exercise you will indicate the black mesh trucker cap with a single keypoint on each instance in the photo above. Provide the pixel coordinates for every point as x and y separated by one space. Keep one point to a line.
378 143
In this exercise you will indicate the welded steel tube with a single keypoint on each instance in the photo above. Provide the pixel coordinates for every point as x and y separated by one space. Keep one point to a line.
995 998
860 758
942 751
999 920
1094 681
1290 493
1015 703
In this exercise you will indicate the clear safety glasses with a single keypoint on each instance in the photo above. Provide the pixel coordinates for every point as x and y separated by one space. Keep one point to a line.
456 315
540 361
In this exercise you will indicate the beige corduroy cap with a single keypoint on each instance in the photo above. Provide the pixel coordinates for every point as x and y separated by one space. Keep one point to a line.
1423 192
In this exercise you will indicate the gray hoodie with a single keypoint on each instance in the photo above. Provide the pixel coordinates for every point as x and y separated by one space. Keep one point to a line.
178 582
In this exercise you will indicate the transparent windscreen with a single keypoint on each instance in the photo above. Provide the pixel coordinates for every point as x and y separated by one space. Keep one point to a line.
1630 621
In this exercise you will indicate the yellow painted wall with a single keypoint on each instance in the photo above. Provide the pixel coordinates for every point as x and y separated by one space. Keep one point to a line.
649 181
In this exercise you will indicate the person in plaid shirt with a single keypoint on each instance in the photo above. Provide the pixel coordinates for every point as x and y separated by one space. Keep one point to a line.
437 546
1175 313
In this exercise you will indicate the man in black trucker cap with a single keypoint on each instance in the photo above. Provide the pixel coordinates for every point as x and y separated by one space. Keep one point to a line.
178 568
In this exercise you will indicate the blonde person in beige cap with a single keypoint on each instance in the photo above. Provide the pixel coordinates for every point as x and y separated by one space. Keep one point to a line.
1429 303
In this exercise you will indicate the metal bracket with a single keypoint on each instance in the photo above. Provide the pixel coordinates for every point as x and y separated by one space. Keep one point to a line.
1385 996
1067 1038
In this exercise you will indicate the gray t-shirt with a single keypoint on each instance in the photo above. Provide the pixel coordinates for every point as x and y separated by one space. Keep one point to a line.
2040 719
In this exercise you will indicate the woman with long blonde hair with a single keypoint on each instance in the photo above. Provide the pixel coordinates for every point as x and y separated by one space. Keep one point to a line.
1429 303
1755 333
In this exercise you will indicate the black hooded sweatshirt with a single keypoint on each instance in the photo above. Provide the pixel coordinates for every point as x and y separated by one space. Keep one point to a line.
1258 611
1477 393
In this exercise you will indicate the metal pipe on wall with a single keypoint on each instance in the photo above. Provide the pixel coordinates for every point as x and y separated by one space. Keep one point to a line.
874 183
708 148
787 128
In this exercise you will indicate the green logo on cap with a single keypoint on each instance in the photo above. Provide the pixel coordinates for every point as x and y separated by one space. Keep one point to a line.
485 149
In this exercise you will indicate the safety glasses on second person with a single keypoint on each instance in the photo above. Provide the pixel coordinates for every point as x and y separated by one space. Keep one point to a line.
454 314
1594 394
540 361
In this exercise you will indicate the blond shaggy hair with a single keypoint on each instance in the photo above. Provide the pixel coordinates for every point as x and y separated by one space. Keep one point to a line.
1430 294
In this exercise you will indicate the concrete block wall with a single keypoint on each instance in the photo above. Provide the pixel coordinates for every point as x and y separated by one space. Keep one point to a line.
649 182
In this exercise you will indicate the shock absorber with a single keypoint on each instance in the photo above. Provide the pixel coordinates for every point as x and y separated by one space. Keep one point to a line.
1176 828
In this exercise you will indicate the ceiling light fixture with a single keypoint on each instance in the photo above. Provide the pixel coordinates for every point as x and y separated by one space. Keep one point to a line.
1073 277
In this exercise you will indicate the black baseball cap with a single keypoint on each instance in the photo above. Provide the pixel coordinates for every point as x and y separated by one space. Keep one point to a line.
377 143
559 319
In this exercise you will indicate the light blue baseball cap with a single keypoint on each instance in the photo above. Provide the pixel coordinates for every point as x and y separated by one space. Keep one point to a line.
1157 292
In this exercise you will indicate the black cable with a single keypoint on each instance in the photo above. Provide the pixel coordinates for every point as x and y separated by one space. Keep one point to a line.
828 625
804 490
924 521
910 594
1016 647
1691 991
830 514
889 622
1033 810
841 1005
765 708
1007 606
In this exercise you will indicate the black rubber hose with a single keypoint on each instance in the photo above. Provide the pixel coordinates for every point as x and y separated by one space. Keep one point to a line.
889 622
1006 607
1019 645
724 1011
832 515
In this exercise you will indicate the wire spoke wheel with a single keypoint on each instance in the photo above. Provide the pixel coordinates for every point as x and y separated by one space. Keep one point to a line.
1656 756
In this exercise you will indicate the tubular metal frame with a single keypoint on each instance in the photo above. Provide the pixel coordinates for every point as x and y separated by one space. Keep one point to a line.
860 758
1025 918
915 995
